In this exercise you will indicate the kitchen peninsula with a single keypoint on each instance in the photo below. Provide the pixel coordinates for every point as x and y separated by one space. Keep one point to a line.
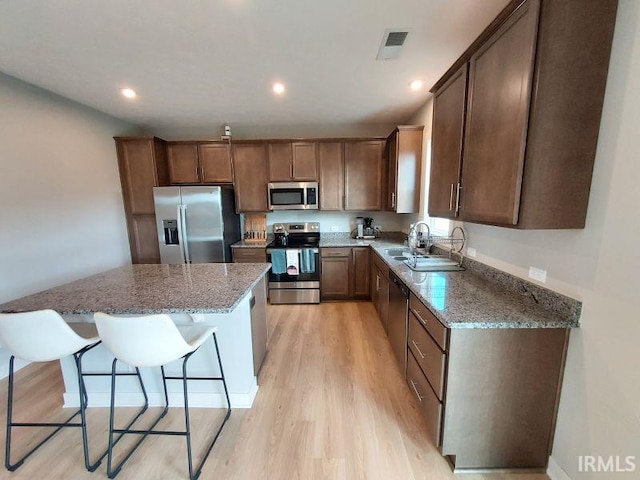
229 296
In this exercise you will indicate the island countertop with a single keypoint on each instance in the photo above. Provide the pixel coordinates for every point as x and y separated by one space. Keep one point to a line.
147 289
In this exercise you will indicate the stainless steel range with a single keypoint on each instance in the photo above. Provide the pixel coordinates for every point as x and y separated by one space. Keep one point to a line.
295 258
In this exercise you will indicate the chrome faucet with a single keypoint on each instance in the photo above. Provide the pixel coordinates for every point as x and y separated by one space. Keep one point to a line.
413 240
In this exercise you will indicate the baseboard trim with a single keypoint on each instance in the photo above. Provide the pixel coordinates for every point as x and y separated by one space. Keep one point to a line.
555 471
156 399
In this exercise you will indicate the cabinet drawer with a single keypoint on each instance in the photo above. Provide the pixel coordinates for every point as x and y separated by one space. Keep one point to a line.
382 266
438 331
427 354
249 255
429 404
335 252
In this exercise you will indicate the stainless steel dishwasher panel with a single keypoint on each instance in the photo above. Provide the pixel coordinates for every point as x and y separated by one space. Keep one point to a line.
397 320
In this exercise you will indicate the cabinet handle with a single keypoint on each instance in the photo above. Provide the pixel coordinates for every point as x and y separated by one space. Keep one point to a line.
458 198
377 283
291 170
393 200
415 389
451 198
422 320
418 349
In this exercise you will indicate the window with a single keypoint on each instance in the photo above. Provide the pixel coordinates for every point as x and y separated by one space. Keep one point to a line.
439 226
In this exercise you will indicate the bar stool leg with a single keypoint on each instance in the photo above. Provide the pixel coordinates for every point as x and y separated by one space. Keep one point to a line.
113 472
10 424
7 453
193 476
84 399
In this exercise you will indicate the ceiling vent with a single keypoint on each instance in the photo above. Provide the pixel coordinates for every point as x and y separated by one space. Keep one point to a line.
392 42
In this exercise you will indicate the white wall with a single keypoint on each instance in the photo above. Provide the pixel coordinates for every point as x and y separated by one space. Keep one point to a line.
600 403
61 211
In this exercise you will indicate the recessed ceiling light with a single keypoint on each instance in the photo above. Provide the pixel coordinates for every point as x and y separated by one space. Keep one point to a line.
416 85
127 92
278 88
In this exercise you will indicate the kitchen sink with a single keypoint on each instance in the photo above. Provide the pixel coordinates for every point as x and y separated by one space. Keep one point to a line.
434 263
397 252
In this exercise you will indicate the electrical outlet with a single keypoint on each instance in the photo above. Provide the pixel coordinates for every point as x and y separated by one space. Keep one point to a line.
471 252
335 228
538 274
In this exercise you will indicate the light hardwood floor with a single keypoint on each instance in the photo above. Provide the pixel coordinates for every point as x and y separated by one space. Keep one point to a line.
331 405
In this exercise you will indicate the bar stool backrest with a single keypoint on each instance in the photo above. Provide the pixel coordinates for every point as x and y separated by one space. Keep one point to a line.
39 336
147 341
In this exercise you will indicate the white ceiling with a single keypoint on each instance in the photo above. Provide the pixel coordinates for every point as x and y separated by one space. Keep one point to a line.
199 64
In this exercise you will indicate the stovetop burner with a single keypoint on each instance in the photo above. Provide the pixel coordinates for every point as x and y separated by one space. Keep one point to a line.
296 235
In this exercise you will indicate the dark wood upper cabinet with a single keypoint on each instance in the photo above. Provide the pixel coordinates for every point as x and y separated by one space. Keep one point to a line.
537 78
197 163
404 151
250 179
449 106
363 175
305 161
292 162
215 163
500 76
183 162
331 175
280 162
142 163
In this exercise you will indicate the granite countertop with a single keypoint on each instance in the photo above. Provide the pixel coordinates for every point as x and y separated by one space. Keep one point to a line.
483 297
245 244
145 289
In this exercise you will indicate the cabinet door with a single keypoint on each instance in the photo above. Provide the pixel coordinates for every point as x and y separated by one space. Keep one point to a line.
331 173
500 78
143 235
137 174
305 161
183 163
334 277
392 154
449 107
363 175
215 163
250 182
280 162
359 272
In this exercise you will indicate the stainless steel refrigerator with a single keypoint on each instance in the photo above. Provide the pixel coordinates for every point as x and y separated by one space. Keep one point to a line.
196 224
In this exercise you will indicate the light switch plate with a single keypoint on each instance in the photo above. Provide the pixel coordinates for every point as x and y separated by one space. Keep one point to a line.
538 274
471 252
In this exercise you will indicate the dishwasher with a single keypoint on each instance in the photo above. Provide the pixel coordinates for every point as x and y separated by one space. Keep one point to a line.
397 319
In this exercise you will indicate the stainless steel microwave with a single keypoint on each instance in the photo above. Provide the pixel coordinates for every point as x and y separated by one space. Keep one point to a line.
293 196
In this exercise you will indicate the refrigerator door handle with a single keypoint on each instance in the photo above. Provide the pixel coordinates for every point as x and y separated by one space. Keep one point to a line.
181 240
185 244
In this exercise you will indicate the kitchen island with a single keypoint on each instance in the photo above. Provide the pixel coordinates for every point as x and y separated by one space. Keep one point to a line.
229 296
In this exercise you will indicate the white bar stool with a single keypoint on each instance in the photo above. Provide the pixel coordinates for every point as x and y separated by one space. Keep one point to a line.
154 341
43 336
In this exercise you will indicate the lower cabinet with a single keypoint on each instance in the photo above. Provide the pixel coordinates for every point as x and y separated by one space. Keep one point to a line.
380 288
489 396
344 273
249 255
